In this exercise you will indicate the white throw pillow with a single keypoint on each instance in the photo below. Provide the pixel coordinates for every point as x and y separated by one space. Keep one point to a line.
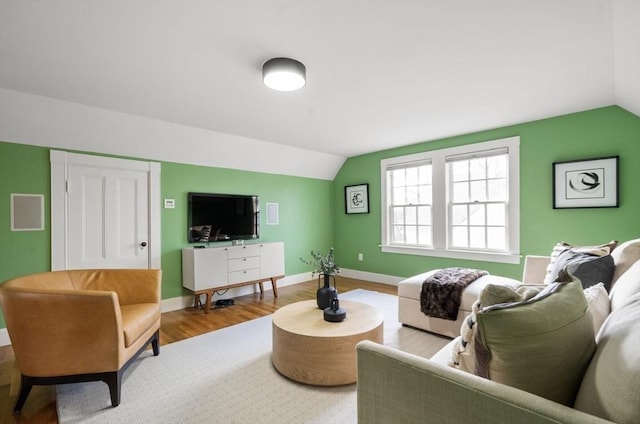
463 355
627 285
599 305
553 258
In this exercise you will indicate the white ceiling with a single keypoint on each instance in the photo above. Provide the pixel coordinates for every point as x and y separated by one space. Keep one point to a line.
380 73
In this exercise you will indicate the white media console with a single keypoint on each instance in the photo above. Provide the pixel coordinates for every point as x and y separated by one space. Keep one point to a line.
208 269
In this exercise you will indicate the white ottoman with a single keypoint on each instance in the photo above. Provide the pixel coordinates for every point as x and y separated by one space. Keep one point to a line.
409 312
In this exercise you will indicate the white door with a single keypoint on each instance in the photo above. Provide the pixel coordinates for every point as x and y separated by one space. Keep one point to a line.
108 218
107 213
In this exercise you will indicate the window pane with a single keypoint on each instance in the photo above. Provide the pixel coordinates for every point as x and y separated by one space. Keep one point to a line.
424 174
459 237
476 237
477 169
497 166
399 196
497 190
412 176
496 214
424 194
410 216
459 215
478 191
424 215
476 215
411 235
398 215
397 176
424 236
461 192
496 238
412 195
398 234
460 170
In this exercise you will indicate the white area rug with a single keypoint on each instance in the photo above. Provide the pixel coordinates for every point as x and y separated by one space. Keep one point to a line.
226 376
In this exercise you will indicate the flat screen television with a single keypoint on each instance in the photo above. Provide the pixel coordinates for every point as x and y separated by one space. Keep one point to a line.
221 217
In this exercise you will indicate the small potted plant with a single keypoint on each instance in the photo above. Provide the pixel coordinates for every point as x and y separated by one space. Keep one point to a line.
326 266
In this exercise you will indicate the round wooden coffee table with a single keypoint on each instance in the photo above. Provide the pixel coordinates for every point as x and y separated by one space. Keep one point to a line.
310 350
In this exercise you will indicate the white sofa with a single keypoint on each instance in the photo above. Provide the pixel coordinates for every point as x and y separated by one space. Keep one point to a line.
395 386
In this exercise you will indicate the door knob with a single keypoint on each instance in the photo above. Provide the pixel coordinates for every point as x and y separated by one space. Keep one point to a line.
143 244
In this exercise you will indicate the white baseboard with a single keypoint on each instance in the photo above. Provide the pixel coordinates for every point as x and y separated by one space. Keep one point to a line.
182 302
371 276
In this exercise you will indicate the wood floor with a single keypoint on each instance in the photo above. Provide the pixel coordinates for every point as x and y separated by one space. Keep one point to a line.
177 325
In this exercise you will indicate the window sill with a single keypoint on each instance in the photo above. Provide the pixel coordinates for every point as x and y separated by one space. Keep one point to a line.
506 258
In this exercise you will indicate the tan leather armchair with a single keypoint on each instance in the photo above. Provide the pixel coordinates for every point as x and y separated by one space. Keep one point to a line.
80 325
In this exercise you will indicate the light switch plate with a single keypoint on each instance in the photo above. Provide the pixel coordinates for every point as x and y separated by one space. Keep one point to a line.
169 203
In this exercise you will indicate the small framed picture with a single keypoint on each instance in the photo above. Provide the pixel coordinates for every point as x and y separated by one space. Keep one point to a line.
356 198
587 183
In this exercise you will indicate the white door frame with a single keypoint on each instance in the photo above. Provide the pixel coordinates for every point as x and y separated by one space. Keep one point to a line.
59 161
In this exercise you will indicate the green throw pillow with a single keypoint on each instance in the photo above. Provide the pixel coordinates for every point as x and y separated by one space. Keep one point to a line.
536 339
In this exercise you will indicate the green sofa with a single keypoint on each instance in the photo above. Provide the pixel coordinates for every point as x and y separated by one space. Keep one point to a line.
397 387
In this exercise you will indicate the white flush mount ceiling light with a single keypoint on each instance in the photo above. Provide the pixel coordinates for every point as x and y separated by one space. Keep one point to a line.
284 74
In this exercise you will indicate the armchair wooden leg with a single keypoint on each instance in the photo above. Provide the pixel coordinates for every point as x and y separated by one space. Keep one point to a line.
114 380
25 389
155 343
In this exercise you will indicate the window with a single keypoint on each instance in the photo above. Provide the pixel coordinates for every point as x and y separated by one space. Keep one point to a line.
461 202
478 201
411 204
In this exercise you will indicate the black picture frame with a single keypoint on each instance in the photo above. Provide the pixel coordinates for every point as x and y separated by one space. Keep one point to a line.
356 199
586 183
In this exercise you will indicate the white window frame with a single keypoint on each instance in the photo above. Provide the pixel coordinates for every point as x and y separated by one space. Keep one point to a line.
440 204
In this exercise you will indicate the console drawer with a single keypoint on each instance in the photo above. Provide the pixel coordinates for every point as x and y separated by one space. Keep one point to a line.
235 252
241 264
244 275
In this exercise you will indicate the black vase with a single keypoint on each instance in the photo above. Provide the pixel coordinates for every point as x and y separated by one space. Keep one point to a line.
326 293
335 313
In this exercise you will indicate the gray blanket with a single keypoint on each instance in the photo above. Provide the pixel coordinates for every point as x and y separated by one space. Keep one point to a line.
442 292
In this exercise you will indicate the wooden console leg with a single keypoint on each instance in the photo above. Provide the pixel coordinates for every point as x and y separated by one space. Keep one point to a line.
207 305
275 287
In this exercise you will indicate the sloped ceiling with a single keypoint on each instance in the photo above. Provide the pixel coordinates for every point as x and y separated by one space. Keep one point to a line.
380 73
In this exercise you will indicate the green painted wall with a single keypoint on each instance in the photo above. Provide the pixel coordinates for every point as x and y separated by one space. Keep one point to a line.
596 133
305 206
305 220
23 169
312 211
